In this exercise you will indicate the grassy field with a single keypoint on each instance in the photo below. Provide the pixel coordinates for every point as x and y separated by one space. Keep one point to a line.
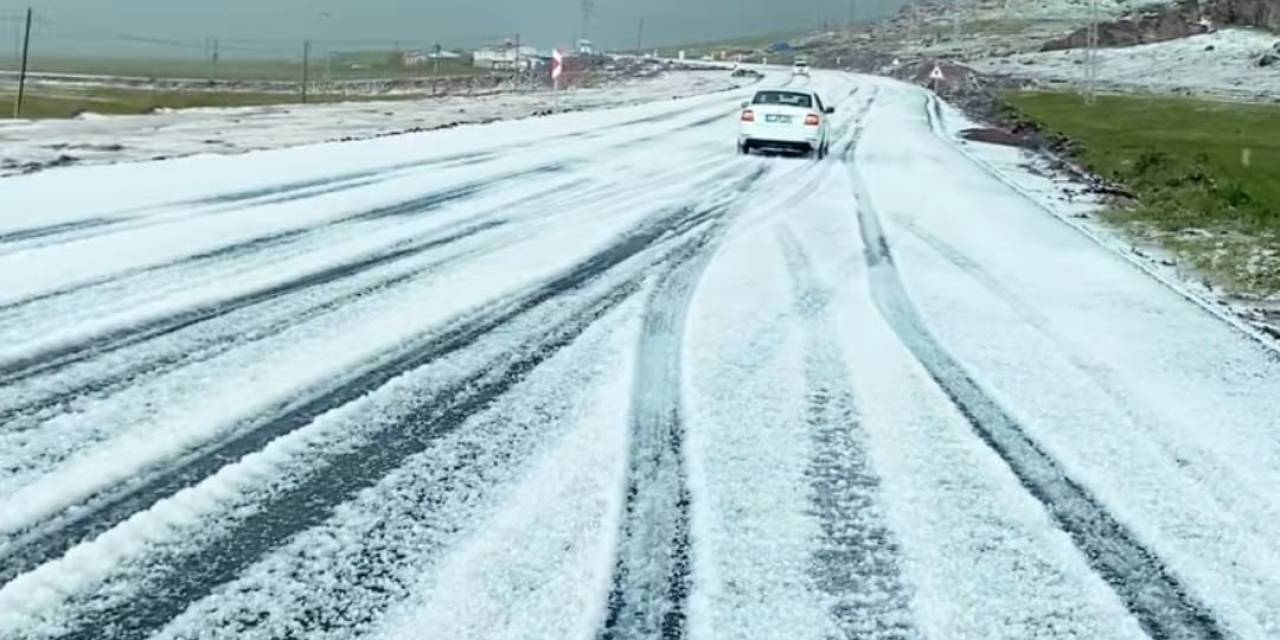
343 66
1206 174
69 103
48 101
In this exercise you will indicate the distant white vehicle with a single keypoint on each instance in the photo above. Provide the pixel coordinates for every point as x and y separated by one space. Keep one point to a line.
801 68
782 120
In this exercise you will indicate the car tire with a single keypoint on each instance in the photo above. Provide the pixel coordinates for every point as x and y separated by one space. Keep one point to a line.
744 148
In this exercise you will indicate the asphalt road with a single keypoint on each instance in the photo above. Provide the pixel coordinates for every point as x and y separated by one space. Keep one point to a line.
596 376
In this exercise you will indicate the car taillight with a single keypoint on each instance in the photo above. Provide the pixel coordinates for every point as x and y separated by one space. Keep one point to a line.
748 116
812 120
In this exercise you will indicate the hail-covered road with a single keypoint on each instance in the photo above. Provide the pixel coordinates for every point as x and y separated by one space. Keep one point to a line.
596 376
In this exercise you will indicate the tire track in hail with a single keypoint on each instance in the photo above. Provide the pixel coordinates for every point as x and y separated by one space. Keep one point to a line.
302 189
152 365
53 537
420 205
381 543
340 478
857 562
274 241
258 196
1222 484
1161 603
203 348
57 357
859 124
651 576
35 233
652 569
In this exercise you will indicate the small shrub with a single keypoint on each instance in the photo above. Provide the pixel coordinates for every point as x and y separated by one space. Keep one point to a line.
1150 161
1234 194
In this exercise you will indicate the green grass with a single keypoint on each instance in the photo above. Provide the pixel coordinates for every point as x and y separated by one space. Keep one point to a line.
185 68
371 64
47 101
1206 175
69 103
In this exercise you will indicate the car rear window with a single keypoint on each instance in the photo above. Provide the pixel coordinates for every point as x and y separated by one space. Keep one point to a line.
785 98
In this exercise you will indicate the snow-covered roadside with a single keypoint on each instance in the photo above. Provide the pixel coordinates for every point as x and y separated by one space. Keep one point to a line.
1040 178
1158 409
1221 64
27 146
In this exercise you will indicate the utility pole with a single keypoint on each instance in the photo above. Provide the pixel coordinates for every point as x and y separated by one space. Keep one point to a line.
911 21
22 75
1091 53
853 14
306 62
588 13
519 70
640 38
435 72
955 11
213 62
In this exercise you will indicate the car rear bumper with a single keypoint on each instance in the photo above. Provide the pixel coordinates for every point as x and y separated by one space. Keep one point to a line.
781 139
792 146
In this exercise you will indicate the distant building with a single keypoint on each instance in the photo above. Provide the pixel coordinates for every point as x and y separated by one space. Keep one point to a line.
585 48
505 57
414 58
419 58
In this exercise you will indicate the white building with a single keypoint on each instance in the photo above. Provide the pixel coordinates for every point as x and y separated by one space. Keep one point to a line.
504 57
419 58
414 58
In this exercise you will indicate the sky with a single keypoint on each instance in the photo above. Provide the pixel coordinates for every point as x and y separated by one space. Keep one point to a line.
249 26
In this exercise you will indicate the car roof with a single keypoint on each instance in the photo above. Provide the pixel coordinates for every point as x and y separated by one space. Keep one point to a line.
801 92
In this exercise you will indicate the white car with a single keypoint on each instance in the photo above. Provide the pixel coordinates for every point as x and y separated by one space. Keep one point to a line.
785 120
801 68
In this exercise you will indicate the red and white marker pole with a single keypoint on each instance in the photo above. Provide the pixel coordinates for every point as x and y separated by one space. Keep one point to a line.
557 70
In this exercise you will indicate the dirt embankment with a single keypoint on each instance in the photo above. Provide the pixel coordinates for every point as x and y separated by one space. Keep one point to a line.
1159 23
1263 14
1155 23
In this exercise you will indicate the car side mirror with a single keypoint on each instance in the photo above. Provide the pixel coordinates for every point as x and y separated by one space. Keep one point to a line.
829 110
746 103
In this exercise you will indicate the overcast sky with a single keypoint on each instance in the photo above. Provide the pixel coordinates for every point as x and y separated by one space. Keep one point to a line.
176 25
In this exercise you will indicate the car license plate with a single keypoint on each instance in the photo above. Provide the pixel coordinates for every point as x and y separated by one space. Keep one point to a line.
778 119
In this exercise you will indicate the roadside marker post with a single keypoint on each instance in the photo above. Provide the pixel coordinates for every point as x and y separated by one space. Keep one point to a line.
306 71
22 75
935 77
435 72
557 70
